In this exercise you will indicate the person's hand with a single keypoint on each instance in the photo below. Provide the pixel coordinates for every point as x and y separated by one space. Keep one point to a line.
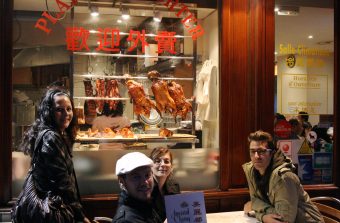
247 207
86 220
272 218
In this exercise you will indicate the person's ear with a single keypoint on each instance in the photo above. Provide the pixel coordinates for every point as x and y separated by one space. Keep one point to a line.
122 183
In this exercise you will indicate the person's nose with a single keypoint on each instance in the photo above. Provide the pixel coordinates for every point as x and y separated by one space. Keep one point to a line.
162 162
256 155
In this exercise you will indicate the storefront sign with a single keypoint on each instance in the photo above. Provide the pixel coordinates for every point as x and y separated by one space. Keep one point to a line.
46 18
290 61
303 56
189 20
108 40
302 92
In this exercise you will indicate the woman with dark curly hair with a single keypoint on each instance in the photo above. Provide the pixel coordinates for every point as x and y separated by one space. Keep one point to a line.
51 177
165 183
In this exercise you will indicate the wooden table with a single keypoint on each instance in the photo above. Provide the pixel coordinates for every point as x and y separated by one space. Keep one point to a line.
230 217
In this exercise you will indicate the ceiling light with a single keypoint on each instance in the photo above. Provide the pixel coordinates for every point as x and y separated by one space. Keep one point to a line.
125 13
119 21
94 11
157 17
310 37
288 10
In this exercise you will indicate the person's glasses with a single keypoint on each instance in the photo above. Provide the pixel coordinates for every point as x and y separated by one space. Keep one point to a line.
258 151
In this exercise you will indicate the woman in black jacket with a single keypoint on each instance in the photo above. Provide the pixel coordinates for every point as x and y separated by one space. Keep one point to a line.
49 143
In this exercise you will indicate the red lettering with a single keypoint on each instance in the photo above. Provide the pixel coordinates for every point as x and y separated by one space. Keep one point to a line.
173 4
63 5
49 17
189 21
183 9
196 32
74 2
166 41
42 25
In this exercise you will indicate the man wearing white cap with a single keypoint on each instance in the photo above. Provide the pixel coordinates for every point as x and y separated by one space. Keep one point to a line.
136 182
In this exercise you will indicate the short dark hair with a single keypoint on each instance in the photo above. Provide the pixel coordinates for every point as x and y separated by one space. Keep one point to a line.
304 115
294 122
261 136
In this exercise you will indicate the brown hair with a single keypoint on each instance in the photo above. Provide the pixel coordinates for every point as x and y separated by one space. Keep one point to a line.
261 136
160 151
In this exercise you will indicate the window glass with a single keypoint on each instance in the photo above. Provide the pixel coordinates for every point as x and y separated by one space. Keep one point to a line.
304 74
92 56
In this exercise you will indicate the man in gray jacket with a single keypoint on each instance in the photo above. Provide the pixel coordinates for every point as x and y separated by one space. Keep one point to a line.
275 190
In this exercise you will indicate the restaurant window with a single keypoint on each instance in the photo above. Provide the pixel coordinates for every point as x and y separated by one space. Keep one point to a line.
304 94
95 56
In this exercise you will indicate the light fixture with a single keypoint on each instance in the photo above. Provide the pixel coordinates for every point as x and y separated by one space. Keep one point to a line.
288 10
157 17
94 11
310 37
125 13
119 21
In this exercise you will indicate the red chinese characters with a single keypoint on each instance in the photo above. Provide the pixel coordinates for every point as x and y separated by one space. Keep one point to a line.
108 40
76 38
135 37
166 42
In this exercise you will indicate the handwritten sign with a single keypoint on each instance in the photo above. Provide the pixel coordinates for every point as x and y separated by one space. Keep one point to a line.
185 208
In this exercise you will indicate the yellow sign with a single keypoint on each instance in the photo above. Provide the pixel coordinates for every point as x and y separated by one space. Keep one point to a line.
305 148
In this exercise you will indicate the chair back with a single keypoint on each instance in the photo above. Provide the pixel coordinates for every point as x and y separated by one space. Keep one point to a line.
329 208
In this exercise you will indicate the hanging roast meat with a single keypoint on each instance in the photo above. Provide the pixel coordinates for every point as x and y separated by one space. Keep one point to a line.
177 93
164 102
112 91
88 88
100 92
142 104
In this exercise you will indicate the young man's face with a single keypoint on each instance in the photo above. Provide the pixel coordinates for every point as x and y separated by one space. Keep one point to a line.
139 183
260 155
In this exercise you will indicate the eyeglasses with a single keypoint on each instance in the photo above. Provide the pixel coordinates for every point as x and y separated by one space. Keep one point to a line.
258 151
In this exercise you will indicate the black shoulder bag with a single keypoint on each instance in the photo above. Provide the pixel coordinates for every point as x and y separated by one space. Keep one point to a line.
33 206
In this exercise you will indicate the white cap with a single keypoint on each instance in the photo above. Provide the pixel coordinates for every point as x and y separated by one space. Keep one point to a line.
131 161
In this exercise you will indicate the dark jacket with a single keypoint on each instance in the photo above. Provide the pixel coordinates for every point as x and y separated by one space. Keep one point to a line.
285 194
131 210
170 187
53 175
55 171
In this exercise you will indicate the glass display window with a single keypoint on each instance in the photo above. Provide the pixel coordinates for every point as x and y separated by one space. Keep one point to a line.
304 80
101 58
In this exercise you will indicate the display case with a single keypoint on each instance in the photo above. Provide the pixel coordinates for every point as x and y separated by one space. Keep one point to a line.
93 73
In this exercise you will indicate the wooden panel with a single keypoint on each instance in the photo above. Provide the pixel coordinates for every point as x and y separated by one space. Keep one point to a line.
6 7
247 77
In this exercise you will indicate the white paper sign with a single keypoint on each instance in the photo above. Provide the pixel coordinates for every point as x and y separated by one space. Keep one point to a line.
302 92
185 208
